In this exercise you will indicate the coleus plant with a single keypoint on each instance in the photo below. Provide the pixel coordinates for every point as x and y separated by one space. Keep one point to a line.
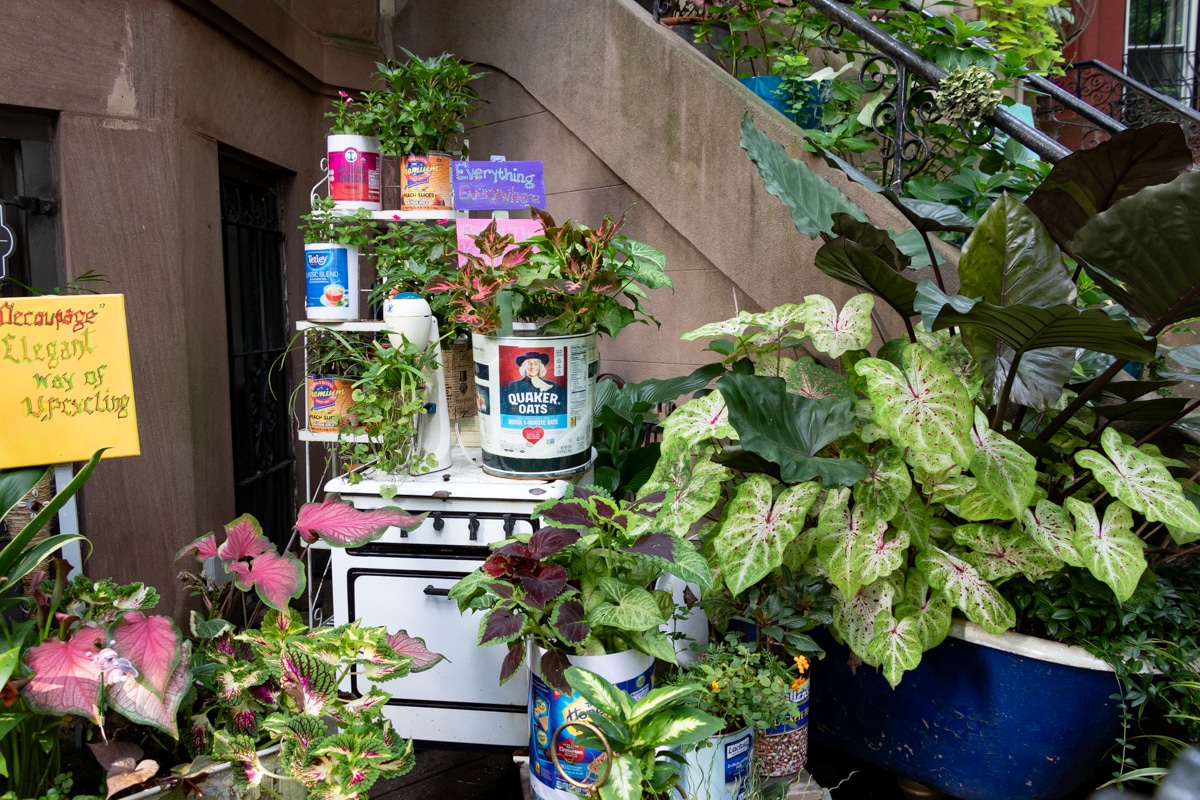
990 442
581 584
274 683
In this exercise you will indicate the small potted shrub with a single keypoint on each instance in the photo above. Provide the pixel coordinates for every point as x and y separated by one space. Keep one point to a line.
352 152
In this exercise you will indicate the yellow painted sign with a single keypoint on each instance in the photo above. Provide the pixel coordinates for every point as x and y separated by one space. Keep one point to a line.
66 387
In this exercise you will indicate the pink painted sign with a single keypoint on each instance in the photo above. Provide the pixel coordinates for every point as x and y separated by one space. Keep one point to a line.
468 229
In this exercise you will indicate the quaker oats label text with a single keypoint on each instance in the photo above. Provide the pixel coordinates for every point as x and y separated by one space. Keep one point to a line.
66 387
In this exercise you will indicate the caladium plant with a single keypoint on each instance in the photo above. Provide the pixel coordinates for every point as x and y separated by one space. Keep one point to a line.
582 583
922 478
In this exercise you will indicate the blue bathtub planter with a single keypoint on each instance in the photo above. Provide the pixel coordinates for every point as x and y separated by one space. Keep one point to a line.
983 717
771 89
802 101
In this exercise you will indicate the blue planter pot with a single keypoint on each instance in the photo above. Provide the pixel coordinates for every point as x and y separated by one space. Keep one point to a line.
811 106
977 722
769 88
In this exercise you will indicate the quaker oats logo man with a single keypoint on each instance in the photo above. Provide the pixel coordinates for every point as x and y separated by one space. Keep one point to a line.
536 393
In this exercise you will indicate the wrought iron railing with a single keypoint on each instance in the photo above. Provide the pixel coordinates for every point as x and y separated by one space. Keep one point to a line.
1131 102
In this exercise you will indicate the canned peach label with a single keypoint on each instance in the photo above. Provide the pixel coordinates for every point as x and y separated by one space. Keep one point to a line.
425 183
329 399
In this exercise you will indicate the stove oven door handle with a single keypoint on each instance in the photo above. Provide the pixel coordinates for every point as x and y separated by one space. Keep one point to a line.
435 591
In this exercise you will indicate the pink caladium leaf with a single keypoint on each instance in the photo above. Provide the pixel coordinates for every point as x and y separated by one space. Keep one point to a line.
152 645
277 579
202 548
138 703
339 524
244 540
414 647
66 677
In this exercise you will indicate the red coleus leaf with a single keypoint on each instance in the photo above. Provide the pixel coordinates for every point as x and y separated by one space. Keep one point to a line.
340 524
152 646
66 678
570 622
544 542
660 545
543 584
414 647
553 665
501 625
202 548
513 660
498 565
243 540
568 513
277 579
503 590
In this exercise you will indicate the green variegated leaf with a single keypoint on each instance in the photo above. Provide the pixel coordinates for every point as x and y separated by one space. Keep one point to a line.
834 333
896 646
689 565
679 727
933 469
886 486
1049 526
699 420
1003 467
757 526
967 590
1111 551
925 407
628 608
654 643
730 327
781 318
997 553
775 367
796 554
1143 484
886 554
606 697
692 486
810 379
929 609
950 490
854 619
624 780
657 699
914 518
846 542
979 505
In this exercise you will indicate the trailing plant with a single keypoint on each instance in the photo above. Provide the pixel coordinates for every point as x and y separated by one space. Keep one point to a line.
950 461
322 225
642 740
570 279
407 255
581 584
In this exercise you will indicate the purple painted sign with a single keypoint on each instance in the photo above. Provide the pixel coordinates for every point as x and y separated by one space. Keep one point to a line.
494 185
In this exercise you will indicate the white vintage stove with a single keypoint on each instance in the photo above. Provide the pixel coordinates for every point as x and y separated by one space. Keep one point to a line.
401 581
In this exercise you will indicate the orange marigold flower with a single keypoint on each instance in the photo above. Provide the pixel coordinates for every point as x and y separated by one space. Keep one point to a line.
801 663
796 684
714 686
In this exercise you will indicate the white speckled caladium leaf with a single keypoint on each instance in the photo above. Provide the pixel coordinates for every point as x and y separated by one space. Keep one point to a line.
692 485
979 505
834 333
914 518
1142 483
1004 468
700 420
854 618
967 590
896 646
757 526
951 490
1049 526
846 545
998 553
886 486
928 607
1111 551
775 366
925 407
728 327
930 469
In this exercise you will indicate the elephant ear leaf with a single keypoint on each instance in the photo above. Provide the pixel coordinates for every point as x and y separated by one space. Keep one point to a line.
811 199
855 265
1146 252
789 429
1111 551
1142 483
1088 182
924 407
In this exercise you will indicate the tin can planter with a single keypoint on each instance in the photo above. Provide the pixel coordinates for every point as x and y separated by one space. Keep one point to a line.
330 281
534 396
328 401
354 171
425 182
983 717
782 750
721 769
630 671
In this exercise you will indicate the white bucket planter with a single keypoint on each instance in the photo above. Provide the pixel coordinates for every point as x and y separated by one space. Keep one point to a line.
722 769
354 171
330 281
629 671
535 403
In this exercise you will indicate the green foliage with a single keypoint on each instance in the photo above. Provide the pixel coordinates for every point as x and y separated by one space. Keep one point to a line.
407 255
423 103
744 685
322 225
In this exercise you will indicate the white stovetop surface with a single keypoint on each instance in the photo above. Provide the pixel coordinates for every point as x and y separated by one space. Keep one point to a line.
464 478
